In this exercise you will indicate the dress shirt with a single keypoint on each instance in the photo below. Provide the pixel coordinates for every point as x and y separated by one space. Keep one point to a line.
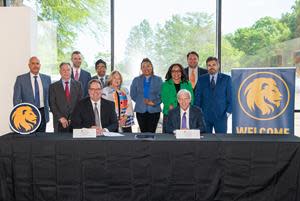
41 92
187 114
99 111
64 84
215 77
196 73
74 71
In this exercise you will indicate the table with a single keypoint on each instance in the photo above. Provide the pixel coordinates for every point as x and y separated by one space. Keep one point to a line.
53 166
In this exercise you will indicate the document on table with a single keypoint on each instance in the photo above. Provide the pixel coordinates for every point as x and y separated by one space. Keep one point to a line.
112 134
187 134
84 133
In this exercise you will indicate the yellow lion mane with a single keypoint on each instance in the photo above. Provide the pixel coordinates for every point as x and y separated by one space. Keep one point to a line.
24 117
260 90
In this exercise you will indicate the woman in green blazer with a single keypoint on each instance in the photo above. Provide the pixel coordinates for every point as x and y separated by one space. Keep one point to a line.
175 80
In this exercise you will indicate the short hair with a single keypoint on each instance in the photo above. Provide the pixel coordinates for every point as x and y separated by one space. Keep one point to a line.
169 73
112 75
147 60
192 52
75 52
93 81
212 59
100 61
181 91
64 63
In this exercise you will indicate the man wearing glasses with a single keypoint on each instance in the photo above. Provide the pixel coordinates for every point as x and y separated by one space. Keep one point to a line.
95 112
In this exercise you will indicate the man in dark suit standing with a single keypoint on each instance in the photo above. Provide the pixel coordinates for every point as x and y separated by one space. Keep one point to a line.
63 96
100 67
213 96
193 71
185 116
95 112
78 73
33 88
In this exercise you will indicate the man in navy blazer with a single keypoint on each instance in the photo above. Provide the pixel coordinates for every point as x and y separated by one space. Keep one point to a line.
192 60
213 96
185 116
78 73
85 116
25 90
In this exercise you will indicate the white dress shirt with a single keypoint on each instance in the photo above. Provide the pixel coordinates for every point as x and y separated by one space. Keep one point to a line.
41 92
187 115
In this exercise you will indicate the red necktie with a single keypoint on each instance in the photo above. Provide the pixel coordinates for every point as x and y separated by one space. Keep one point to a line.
76 77
67 91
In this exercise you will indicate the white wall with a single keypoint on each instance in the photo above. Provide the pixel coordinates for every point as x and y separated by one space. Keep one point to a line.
17 44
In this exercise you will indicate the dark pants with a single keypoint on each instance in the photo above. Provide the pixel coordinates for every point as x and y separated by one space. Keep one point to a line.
165 120
127 129
148 121
42 127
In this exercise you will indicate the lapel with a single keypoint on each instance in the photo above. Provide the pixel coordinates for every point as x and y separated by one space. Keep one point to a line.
219 81
43 84
61 90
178 117
90 110
102 108
28 83
191 117
141 84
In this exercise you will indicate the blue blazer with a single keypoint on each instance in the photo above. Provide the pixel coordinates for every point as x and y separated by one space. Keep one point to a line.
137 94
84 78
214 103
23 92
196 120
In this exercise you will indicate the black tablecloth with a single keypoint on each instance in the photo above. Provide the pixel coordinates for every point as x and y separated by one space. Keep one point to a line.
216 167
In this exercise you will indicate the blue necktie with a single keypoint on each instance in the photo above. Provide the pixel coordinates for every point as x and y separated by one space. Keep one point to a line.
36 93
212 83
183 121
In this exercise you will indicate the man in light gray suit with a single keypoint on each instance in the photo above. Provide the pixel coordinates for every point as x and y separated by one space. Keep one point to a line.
63 96
32 87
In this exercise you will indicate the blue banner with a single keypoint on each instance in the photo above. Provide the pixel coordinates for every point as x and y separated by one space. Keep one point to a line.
263 100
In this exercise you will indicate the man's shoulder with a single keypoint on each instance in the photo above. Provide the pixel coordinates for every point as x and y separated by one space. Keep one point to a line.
95 77
23 76
174 111
85 72
202 70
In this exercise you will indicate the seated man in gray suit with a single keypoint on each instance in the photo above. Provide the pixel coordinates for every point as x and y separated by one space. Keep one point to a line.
32 87
185 116
63 96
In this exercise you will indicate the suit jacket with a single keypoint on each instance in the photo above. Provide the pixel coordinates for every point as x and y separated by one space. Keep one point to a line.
137 94
83 115
196 120
23 91
201 71
106 80
84 78
58 102
215 103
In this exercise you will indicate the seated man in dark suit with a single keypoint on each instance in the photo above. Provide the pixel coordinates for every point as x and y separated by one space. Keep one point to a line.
95 112
185 116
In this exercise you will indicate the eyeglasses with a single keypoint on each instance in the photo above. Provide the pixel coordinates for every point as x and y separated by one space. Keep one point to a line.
95 89
176 71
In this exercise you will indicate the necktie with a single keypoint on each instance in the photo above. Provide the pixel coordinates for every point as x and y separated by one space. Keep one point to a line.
183 121
97 118
67 92
76 77
36 93
212 83
102 82
193 78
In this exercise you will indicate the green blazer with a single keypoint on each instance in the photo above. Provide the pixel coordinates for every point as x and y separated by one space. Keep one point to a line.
169 96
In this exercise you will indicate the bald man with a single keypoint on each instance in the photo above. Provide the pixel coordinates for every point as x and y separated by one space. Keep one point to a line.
32 87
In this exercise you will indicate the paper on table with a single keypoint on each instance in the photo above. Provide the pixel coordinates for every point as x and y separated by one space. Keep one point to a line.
112 134
187 134
84 133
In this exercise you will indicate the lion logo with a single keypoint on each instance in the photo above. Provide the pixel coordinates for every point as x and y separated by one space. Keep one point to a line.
25 118
264 94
